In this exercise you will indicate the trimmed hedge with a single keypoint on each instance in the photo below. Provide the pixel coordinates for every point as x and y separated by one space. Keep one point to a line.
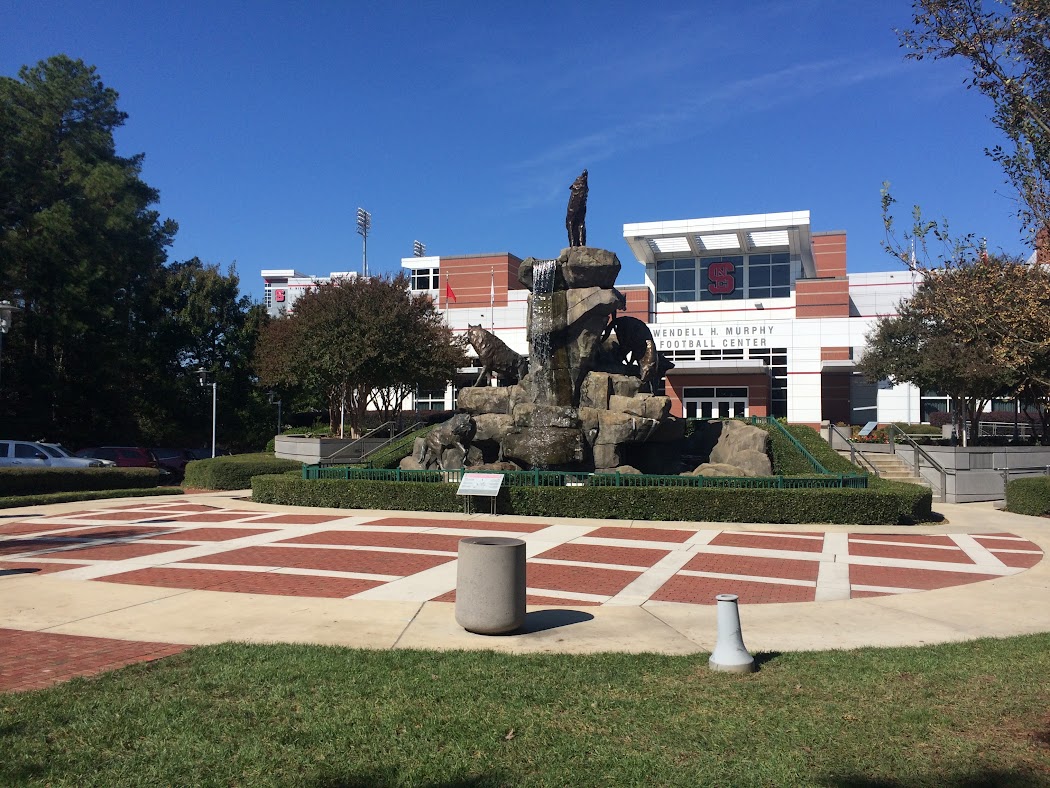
41 481
887 504
819 448
1029 496
16 501
234 472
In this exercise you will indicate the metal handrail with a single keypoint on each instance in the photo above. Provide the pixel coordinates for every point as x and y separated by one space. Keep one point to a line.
393 440
813 461
854 453
368 435
892 430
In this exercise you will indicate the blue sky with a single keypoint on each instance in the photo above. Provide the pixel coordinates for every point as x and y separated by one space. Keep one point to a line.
266 125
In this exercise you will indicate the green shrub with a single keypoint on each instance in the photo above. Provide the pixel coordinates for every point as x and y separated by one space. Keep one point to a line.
886 504
40 481
1029 496
15 501
819 448
391 456
234 473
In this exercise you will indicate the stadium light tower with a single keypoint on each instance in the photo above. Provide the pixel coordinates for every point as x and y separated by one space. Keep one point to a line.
419 249
364 224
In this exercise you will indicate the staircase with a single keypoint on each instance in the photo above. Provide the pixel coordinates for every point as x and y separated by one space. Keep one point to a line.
890 467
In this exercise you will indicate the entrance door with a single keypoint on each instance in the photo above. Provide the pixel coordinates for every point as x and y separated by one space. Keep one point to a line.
715 402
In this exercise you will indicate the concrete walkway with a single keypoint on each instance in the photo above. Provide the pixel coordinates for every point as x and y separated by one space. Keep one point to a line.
148 571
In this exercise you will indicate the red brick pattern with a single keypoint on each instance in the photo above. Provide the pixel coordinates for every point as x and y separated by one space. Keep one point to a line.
579 579
17 546
117 552
202 517
599 554
232 581
753 566
34 567
299 519
899 577
21 529
956 556
114 531
1018 560
34 660
364 561
992 543
444 542
759 541
854 594
646 534
114 515
930 539
210 534
463 523
703 590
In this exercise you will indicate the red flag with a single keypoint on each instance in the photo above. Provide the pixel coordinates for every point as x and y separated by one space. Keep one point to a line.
449 295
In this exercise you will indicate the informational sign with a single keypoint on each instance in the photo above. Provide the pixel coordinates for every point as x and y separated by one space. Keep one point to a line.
487 484
868 428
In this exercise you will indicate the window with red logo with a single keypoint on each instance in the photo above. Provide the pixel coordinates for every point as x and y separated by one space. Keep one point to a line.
278 295
721 278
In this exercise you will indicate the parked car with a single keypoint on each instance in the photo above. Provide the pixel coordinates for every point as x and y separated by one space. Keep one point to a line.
175 459
30 454
122 456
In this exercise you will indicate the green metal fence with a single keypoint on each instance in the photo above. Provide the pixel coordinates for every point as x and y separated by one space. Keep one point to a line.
537 478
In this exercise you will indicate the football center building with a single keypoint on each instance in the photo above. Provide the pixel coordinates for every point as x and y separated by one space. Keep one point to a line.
758 314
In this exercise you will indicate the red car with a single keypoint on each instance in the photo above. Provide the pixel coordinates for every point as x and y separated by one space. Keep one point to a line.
123 456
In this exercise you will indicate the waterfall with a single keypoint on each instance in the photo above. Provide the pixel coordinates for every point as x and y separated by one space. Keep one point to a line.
542 317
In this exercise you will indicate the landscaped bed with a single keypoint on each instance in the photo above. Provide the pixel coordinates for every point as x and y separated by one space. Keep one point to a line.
288 715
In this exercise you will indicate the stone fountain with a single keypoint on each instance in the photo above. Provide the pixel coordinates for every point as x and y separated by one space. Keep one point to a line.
581 406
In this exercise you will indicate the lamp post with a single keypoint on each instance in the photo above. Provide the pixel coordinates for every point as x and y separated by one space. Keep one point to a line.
419 249
6 310
203 373
276 400
364 224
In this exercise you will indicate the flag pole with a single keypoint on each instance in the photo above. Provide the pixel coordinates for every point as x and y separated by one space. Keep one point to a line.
492 301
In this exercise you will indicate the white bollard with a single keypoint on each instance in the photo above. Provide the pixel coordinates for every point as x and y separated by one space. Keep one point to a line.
730 654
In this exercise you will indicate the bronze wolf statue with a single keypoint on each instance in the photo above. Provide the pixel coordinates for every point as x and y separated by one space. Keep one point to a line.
495 356
577 211
636 340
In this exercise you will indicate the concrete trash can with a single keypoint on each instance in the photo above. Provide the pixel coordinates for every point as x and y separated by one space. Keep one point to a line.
490 584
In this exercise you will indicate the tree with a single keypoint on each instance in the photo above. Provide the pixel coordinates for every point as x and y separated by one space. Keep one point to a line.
202 321
916 346
367 342
1005 46
80 250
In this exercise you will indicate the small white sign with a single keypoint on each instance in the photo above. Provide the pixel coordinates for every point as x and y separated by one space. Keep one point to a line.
868 428
480 484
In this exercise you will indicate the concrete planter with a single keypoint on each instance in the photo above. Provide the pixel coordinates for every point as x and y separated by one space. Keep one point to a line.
490 584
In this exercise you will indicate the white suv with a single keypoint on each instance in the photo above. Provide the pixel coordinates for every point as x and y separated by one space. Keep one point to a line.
26 454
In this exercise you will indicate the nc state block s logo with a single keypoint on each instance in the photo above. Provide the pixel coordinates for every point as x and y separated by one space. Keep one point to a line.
720 278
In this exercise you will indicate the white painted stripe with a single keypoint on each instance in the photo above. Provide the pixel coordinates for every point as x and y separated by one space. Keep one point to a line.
642 544
285 570
750 579
574 595
365 548
888 589
758 552
649 582
1018 552
701 538
833 574
907 544
419 587
976 551
588 564
935 566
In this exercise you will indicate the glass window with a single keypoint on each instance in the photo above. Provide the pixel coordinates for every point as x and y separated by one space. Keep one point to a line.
425 279
676 280
26 450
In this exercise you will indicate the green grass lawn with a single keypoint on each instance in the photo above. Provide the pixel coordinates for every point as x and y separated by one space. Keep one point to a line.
971 714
